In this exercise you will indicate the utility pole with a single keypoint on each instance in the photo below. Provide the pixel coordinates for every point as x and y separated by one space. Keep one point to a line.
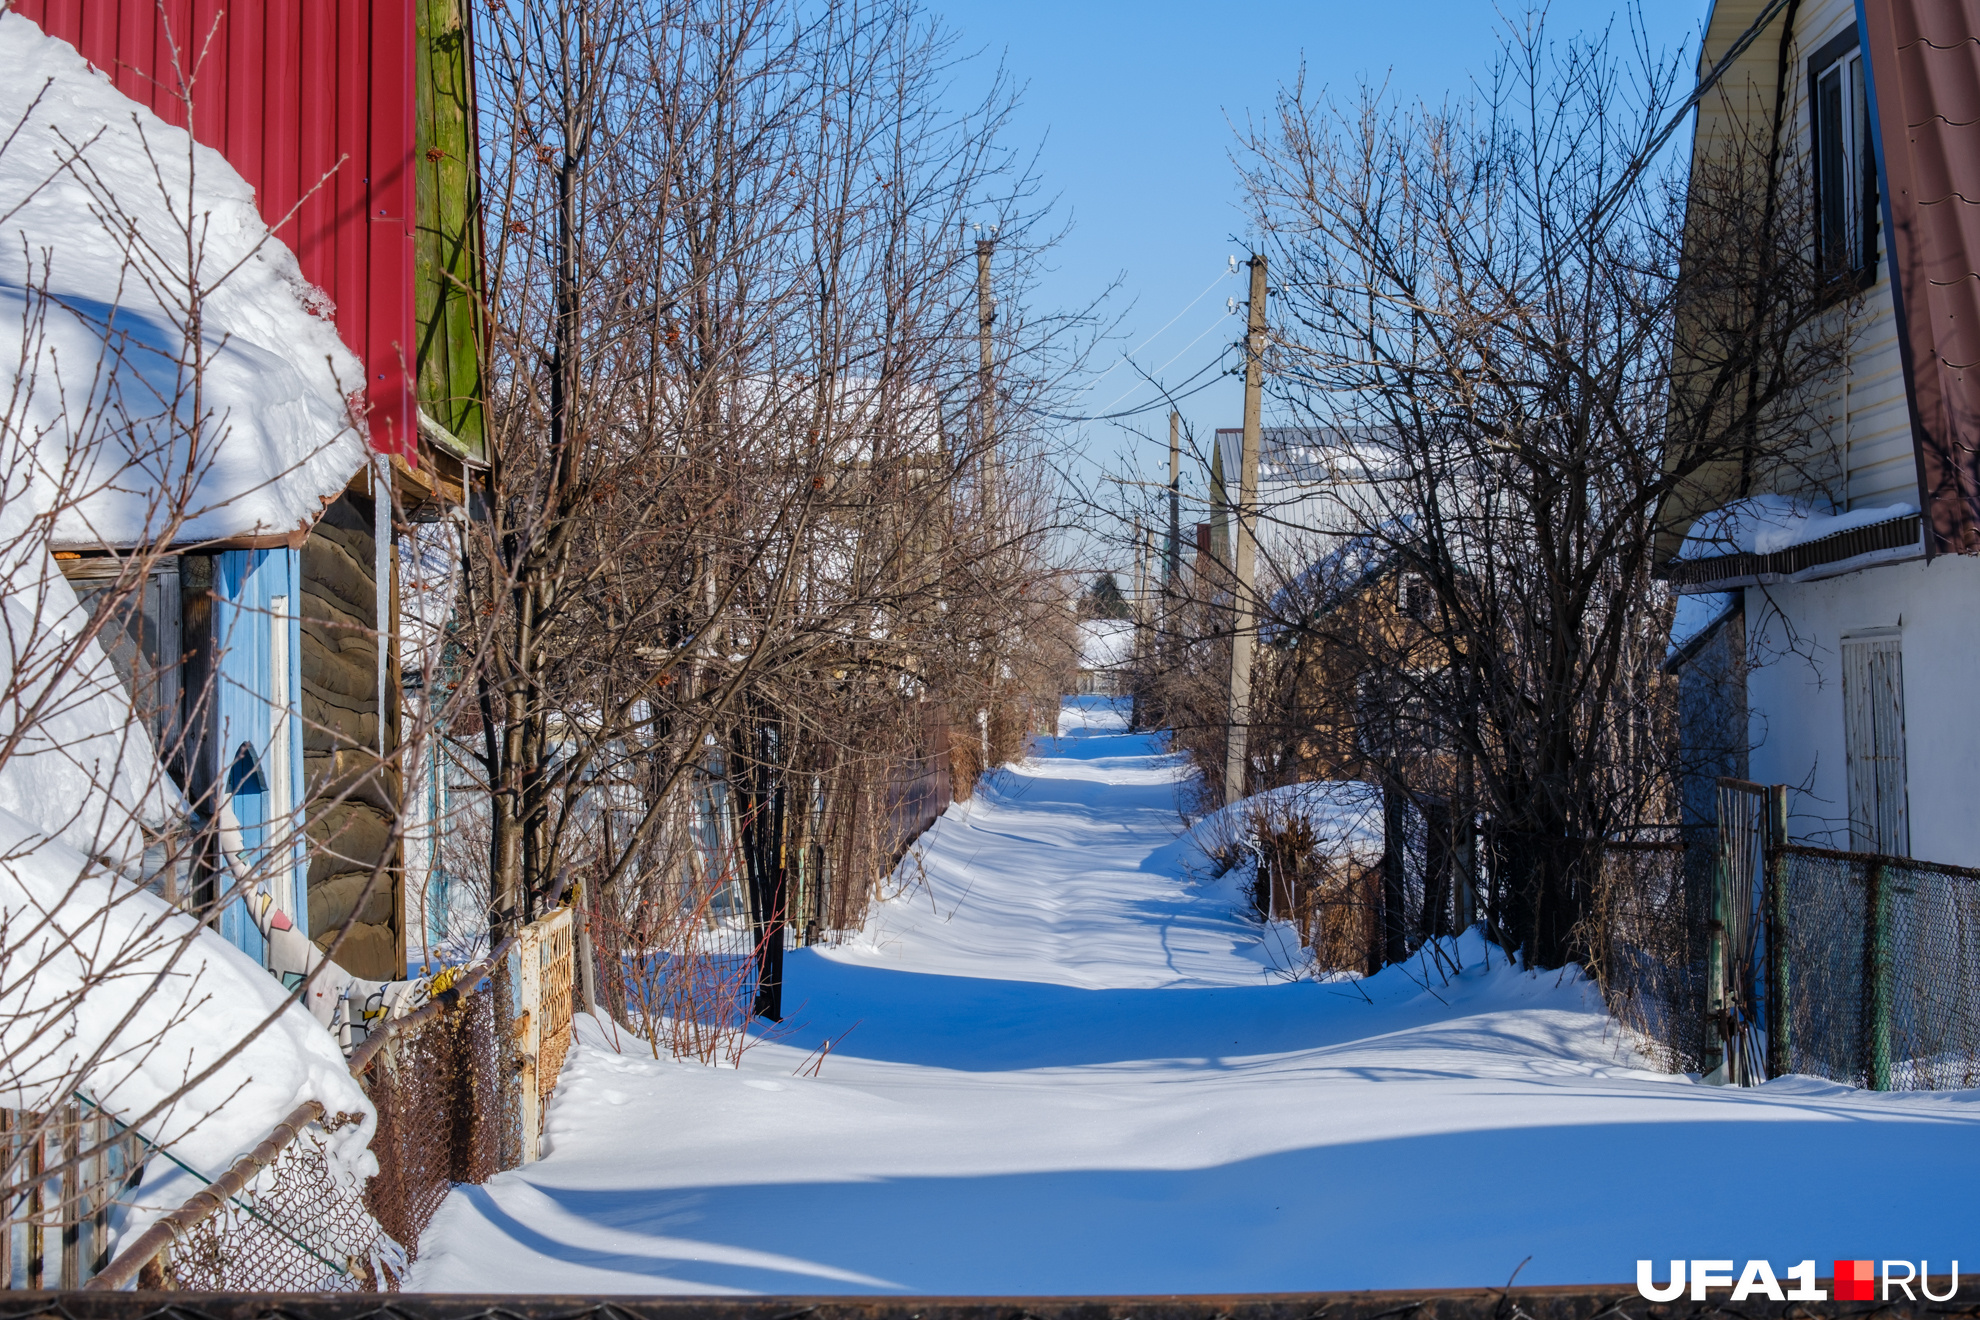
1139 609
1244 606
986 386
1172 569
986 462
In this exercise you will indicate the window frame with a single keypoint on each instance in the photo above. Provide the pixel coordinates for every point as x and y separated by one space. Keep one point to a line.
1845 49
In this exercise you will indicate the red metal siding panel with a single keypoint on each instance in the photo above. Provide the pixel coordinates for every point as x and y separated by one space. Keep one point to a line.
203 54
1925 71
390 247
350 236
281 139
137 24
168 62
317 135
96 28
63 20
285 90
247 93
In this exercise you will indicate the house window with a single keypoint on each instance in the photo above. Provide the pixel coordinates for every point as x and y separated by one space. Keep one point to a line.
141 637
1413 596
1845 161
1873 744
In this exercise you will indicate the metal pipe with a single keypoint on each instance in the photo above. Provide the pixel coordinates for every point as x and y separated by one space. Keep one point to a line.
205 1202
361 1056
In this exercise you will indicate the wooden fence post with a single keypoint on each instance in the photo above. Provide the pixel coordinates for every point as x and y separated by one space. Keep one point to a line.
37 1202
69 1145
1780 1006
529 1035
1877 976
585 954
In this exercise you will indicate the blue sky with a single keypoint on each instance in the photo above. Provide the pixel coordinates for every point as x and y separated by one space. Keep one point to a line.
1134 104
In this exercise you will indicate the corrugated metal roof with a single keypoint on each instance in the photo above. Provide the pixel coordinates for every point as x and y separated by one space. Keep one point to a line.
287 89
1925 88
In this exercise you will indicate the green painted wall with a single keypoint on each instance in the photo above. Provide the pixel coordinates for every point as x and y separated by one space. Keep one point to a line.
447 244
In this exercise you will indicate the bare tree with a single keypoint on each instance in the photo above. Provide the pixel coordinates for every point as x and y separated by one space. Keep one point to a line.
740 572
1476 324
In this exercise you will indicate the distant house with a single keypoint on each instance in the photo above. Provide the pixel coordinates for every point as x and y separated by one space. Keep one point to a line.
1106 646
1314 491
1353 641
1852 583
257 658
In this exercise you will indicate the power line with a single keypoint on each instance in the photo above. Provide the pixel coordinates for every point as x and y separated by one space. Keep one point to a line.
1166 400
1158 334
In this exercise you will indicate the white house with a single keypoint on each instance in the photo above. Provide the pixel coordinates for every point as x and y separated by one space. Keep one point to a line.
1846 611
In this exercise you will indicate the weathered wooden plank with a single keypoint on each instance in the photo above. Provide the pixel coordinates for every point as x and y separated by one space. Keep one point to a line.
336 677
334 899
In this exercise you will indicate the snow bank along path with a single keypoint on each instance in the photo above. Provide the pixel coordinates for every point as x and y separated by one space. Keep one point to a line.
1075 1073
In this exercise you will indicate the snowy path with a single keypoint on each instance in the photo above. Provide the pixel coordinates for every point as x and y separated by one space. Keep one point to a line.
1074 1073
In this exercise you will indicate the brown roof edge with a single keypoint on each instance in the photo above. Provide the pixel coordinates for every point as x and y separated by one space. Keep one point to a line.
1888 540
1925 100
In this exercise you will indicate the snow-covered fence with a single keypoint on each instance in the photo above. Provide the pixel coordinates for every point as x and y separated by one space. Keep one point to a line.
281 1219
1648 937
1851 966
460 1087
538 988
1366 873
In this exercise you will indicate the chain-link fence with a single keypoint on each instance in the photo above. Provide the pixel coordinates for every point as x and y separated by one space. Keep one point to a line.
438 1086
284 1220
1739 956
460 1087
1879 972
1650 942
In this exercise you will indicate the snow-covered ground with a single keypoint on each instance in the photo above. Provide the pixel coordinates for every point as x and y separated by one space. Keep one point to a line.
1073 1071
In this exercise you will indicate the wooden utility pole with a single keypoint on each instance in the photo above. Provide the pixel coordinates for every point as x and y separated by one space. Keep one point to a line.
1244 604
1144 609
1172 566
986 385
1144 545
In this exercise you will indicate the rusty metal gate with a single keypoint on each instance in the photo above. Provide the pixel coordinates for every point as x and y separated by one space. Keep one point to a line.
1736 991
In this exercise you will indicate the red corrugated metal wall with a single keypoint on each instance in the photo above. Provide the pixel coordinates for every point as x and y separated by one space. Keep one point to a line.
1925 89
285 90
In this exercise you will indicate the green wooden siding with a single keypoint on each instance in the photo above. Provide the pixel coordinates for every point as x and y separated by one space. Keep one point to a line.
448 242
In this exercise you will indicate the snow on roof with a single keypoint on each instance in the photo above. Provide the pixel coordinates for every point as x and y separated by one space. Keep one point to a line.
96 197
1696 614
81 767
1334 576
1766 524
128 998
1105 643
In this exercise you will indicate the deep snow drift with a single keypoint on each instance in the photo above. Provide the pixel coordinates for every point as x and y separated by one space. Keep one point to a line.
94 316
1074 1072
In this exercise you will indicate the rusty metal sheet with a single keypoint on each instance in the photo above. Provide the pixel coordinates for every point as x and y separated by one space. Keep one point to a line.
1925 99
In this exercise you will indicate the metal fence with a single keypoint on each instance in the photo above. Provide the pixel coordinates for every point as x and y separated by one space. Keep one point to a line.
1942 1297
1650 945
1876 975
1741 956
460 1087
279 1220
